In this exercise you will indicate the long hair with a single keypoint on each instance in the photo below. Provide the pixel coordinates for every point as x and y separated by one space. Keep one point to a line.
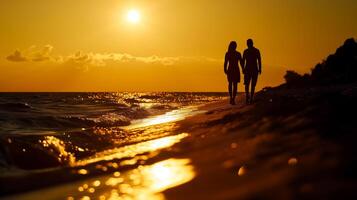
232 46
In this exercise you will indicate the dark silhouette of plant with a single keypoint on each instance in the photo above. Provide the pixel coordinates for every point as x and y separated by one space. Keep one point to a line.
338 68
292 77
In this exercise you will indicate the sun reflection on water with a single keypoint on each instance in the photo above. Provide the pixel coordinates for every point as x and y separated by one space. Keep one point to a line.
134 149
168 173
55 144
145 182
171 116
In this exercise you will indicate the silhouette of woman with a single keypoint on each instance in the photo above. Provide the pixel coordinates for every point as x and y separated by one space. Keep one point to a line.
231 69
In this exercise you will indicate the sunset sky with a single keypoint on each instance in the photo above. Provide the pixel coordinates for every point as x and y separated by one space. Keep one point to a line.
161 45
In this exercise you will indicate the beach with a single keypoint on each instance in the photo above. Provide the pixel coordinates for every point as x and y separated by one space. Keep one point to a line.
178 100
289 144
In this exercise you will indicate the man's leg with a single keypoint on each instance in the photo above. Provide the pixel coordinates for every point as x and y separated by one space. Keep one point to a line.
254 83
252 94
246 83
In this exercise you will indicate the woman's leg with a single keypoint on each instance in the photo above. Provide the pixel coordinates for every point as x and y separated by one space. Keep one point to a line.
235 90
230 91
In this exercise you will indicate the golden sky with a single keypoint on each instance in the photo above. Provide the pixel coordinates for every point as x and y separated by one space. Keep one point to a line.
176 45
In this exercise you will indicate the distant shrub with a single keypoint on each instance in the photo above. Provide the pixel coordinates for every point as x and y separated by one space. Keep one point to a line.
291 77
338 68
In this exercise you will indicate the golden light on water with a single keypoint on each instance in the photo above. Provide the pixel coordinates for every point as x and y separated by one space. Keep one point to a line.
96 183
172 116
140 181
145 182
147 127
168 173
133 150
53 143
82 171
114 181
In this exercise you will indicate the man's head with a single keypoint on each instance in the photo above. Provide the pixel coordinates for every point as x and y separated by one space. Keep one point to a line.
250 43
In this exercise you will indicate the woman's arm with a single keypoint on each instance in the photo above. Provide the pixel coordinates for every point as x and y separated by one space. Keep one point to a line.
241 62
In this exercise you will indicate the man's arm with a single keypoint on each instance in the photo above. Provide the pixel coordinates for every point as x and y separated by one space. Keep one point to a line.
259 63
225 64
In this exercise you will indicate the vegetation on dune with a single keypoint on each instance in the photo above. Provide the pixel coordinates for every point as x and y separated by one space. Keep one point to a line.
337 68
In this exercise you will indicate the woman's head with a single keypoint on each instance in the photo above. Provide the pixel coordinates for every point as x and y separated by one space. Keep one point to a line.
232 46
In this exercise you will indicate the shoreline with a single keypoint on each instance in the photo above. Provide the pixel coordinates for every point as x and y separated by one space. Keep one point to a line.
278 148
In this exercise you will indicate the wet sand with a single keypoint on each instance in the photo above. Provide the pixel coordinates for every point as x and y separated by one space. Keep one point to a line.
293 144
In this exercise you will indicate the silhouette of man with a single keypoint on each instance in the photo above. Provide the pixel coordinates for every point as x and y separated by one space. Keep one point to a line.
252 66
231 67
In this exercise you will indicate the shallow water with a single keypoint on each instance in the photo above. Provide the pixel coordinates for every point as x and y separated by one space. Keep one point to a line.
114 158
145 182
139 180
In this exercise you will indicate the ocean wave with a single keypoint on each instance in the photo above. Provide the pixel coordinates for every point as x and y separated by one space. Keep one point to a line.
58 123
111 119
147 96
164 107
62 111
15 107
44 123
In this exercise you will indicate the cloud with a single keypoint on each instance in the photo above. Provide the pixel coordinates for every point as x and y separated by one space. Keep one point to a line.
16 57
43 54
32 54
80 58
101 59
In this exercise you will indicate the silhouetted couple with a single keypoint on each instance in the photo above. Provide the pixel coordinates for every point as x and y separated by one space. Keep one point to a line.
251 66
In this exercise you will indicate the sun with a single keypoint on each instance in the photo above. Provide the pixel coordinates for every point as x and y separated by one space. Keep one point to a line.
133 16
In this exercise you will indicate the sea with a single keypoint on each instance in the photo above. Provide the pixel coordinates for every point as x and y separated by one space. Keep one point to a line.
73 126
94 145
